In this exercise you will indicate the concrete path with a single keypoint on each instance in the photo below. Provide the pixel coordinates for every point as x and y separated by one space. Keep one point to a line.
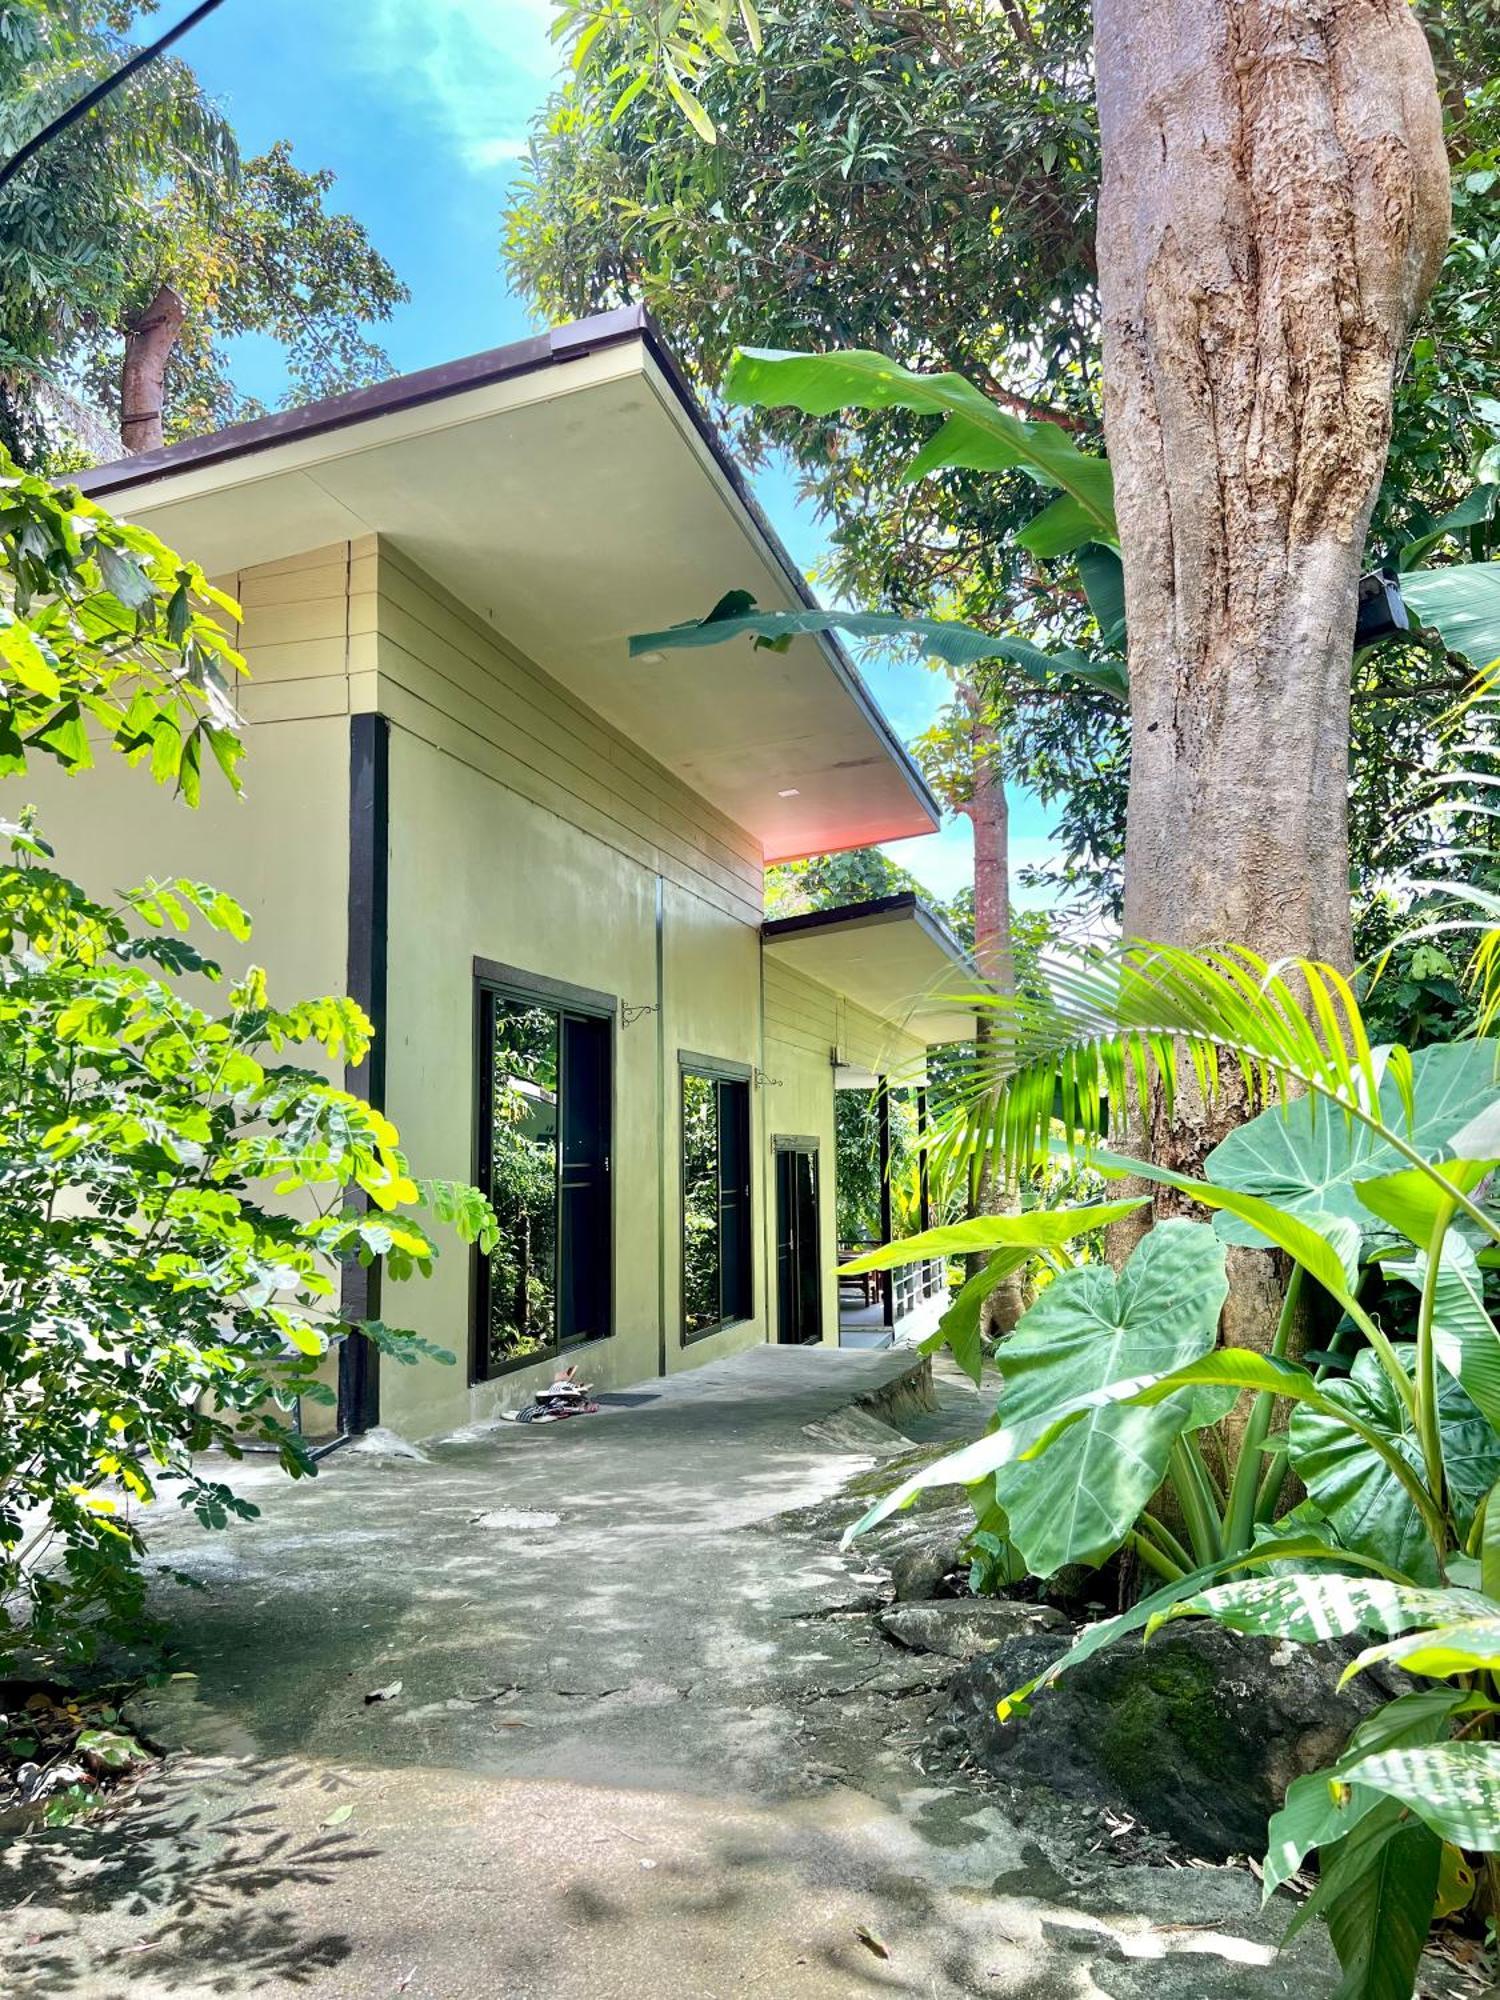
648 1745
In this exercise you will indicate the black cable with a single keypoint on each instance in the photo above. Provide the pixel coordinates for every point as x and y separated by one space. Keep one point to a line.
100 91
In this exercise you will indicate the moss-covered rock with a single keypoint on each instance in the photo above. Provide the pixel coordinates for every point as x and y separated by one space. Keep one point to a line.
1197 1734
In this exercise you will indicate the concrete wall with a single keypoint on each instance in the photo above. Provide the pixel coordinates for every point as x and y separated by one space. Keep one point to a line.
282 848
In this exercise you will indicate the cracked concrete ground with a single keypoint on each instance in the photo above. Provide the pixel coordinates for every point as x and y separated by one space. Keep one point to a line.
648 1742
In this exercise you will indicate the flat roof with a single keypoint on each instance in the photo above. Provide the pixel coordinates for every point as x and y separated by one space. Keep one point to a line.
892 956
570 490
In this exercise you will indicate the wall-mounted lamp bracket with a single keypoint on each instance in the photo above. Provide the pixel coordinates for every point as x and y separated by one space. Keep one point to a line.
629 1013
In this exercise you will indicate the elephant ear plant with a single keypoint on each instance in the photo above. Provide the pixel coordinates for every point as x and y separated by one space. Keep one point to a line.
181 1179
1370 1170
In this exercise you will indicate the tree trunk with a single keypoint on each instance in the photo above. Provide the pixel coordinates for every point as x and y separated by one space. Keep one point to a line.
988 815
1273 211
149 340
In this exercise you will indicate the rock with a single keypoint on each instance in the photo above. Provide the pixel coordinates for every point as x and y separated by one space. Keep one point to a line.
964 1627
921 1550
1197 1734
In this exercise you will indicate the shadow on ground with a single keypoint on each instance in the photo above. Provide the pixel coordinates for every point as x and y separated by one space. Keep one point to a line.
636 1751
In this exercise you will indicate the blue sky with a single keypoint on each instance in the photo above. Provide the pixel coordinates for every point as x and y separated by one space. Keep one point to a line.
421 108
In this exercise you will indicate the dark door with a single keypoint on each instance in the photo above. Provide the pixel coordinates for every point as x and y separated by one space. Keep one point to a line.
583 1192
734 1201
799 1286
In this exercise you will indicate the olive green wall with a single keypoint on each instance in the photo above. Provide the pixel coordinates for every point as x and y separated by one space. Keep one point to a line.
526 832
523 831
282 847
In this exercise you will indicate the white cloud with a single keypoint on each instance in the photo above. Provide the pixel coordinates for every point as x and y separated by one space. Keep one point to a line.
494 152
476 70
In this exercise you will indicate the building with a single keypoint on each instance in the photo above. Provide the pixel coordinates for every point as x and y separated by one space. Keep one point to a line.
538 863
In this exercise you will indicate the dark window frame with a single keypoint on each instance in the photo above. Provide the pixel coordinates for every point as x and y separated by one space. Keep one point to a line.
718 1070
495 981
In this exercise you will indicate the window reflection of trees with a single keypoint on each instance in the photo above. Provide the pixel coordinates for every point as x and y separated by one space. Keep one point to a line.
700 1195
523 1181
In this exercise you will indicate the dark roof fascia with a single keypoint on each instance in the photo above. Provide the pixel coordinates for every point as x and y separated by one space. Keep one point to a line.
851 916
402 392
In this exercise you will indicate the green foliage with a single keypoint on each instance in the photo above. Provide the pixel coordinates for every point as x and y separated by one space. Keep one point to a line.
975 432
1311 1164
103 628
683 40
1017 1241
833 881
180 1189
182 1180
150 189
957 156
956 645
1462 602
1375 1182
1088 1328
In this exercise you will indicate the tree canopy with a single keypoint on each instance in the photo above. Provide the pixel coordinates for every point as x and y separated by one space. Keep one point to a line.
924 185
151 189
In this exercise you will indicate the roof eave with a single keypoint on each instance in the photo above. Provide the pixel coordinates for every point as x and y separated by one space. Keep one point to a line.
429 385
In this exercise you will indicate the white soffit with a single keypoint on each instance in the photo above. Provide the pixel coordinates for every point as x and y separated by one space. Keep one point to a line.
569 506
892 957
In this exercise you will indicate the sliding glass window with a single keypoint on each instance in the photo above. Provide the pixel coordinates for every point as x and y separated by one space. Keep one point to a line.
544 1143
717 1286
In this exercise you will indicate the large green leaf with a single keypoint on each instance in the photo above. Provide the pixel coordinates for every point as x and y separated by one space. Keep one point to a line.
1453 1787
1383 1884
1475 510
1062 526
1323 1807
1440 1651
944 639
1244 1368
976 433
1090 1328
1326 1245
1413 1203
1464 1337
1037 1229
959 1328
1312 1606
1463 603
1306 1157
1352 1483
1103 577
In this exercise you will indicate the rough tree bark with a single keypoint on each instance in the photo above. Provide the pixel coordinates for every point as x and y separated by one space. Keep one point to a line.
988 815
1273 212
149 340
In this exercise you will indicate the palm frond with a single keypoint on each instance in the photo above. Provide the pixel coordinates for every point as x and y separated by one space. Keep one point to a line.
1122 1019
1139 1021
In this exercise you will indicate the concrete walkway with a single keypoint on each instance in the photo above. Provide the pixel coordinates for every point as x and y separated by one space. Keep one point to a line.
648 1743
